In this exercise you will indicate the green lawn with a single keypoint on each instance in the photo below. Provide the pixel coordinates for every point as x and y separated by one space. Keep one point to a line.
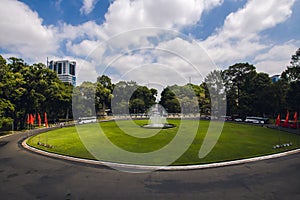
236 141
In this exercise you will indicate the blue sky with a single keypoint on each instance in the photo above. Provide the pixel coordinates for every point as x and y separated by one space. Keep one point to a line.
263 33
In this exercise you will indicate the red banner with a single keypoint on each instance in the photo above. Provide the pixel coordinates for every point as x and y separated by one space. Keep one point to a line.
295 117
295 125
286 121
45 119
31 119
277 123
39 119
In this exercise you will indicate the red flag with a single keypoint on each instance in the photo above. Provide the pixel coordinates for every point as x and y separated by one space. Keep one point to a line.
45 119
277 123
39 119
31 119
286 121
295 117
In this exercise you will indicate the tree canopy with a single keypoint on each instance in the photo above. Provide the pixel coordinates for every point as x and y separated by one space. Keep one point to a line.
30 89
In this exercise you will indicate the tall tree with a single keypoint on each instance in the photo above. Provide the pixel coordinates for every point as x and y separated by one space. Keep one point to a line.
84 100
104 89
263 95
32 89
129 97
184 99
238 79
217 93
292 76
292 73
142 99
169 101
6 86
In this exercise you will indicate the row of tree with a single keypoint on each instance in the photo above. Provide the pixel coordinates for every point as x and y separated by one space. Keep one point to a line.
28 89
252 93
243 91
35 89
104 97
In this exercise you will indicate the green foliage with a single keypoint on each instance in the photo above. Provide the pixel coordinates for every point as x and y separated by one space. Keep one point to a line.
169 101
6 106
217 93
30 89
84 99
292 73
293 96
252 93
291 77
238 79
129 96
142 99
35 89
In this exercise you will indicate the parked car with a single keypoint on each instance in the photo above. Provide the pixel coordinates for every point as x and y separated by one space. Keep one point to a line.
238 120
256 120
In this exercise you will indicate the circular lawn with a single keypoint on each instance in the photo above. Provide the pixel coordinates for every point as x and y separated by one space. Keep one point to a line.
237 141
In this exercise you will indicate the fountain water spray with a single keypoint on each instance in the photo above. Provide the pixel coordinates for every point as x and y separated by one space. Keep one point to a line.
157 119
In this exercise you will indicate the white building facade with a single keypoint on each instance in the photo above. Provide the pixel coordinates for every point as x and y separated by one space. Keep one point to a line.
65 69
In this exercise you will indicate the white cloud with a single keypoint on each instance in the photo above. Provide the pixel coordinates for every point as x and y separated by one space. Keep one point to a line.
84 48
23 33
175 59
88 6
186 57
239 38
276 59
88 30
124 15
255 17
86 71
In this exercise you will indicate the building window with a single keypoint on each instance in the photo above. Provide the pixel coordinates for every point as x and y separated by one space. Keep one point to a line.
64 68
72 69
59 68
55 67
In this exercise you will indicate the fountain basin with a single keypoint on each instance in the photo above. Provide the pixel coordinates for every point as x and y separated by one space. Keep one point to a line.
158 126
158 118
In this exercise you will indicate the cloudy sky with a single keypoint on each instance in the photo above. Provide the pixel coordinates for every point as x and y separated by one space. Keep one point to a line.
152 41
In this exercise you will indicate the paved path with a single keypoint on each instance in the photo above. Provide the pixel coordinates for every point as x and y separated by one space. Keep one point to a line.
25 175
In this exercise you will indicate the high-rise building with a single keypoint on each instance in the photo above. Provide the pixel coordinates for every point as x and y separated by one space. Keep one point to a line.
275 78
65 70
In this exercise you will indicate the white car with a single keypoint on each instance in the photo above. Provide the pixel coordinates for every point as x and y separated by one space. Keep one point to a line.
254 120
238 120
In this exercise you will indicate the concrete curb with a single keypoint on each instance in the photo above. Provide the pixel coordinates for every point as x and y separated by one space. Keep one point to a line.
165 168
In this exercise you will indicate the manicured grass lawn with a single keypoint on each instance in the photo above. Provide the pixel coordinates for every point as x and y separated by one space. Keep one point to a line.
236 141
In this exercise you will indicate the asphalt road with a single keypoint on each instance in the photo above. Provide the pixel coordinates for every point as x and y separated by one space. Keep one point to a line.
25 175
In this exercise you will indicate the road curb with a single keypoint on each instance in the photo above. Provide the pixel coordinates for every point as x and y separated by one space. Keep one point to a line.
154 168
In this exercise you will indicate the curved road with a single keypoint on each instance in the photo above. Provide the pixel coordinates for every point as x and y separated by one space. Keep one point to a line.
25 175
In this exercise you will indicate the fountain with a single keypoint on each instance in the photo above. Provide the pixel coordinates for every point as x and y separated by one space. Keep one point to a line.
158 118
